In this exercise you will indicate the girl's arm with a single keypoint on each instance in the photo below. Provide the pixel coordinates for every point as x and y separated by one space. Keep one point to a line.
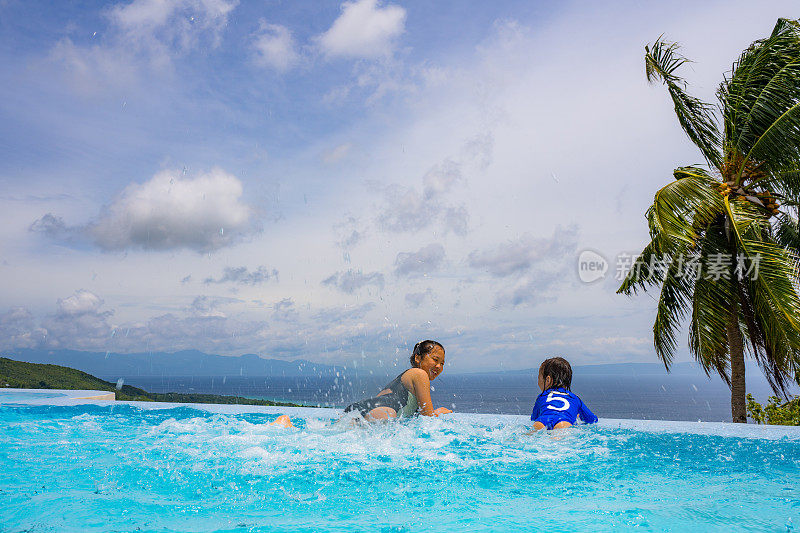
586 415
420 387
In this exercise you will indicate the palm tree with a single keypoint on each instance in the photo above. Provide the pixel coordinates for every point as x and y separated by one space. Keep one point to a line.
724 221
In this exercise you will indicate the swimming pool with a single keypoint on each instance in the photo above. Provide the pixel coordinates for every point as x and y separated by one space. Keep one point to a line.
126 468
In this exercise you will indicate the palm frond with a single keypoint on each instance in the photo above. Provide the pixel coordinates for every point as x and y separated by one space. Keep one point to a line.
674 304
711 307
746 106
787 233
696 117
685 204
642 274
776 282
778 147
781 93
784 182
768 345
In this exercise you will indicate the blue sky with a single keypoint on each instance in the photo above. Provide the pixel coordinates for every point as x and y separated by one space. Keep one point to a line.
335 181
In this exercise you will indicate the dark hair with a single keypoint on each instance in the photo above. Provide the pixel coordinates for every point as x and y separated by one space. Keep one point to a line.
423 348
558 369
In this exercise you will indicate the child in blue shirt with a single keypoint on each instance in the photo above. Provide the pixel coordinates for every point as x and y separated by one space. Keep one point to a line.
557 407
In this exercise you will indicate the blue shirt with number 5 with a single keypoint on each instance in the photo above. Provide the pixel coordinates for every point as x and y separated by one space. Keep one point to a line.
558 405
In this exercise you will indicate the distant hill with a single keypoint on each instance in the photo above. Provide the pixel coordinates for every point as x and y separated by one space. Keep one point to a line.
22 375
630 370
186 363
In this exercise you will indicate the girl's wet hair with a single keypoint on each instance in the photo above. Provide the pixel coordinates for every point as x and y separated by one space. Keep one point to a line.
559 371
423 348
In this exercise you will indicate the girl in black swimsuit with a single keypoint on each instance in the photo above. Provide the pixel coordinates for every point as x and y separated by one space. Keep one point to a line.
410 392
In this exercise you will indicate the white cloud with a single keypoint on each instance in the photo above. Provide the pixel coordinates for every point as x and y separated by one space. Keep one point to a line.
406 209
90 69
53 227
348 232
415 299
530 267
363 30
353 280
530 290
78 323
441 178
209 306
171 211
284 311
424 261
80 303
456 219
18 329
143 35
274 47
518 256
243 276
160 26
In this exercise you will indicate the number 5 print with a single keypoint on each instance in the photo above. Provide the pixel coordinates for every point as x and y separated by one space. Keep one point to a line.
552 398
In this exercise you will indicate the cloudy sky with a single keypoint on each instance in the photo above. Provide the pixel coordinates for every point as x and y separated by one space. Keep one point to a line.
336 181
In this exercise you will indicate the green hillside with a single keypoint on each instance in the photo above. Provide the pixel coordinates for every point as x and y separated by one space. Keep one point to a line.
20 375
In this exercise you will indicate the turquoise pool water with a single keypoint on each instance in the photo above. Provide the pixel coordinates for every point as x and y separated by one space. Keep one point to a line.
123 468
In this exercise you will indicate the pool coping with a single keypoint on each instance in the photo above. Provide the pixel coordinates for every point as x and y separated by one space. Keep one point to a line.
65 394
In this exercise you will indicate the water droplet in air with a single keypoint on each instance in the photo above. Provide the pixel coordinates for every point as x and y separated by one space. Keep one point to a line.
120 382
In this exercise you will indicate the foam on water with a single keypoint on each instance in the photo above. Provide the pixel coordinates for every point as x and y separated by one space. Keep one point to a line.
122 468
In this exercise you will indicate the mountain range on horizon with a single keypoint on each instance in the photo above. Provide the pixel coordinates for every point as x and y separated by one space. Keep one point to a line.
194 363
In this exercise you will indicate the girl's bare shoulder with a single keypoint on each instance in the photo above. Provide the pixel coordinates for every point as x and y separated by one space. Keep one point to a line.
415 374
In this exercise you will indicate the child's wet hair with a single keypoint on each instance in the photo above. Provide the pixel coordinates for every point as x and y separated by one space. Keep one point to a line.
423 348
558 369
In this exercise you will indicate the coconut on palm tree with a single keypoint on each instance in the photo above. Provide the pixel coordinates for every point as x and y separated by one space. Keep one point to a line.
724 235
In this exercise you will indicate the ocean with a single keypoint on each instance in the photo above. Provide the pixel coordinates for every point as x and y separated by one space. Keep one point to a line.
683 395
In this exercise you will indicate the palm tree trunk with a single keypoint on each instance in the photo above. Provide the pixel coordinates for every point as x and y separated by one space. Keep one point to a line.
736 347
735 344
